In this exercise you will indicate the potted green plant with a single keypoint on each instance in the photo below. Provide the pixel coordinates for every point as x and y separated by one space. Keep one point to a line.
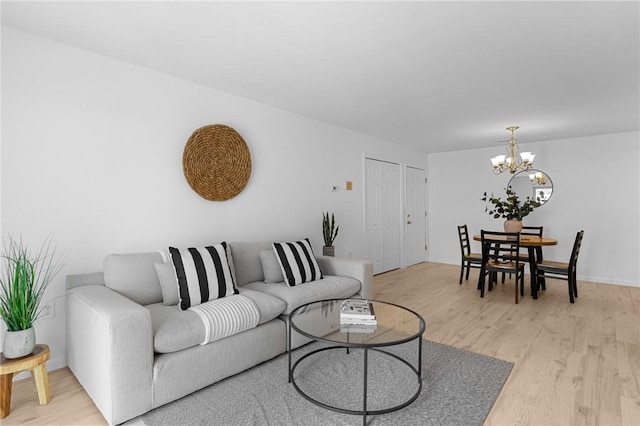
23 282
329 232
511 209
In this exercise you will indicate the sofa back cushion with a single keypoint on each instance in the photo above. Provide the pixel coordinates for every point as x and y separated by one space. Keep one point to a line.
270 267
134 276
246 261
168 283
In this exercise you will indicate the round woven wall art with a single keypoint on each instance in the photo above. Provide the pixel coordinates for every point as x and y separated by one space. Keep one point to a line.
216 162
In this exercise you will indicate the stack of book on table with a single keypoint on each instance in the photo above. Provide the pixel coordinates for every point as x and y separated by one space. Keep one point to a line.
357 316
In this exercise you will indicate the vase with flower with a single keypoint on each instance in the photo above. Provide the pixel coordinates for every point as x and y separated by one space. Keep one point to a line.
24 277
511 208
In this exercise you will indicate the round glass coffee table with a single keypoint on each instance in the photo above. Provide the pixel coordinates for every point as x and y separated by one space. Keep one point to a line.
396 325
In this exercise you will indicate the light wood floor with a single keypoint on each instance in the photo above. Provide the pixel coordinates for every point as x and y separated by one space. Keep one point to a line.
574 364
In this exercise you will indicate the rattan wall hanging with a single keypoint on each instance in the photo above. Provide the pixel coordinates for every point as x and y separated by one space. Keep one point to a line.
216 162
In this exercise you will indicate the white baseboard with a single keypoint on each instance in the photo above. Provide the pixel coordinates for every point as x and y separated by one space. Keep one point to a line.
599 280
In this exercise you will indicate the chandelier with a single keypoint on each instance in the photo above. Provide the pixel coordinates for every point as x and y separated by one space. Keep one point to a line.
511 163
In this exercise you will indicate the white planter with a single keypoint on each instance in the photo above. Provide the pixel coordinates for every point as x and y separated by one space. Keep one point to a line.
328 251
512 225
19 343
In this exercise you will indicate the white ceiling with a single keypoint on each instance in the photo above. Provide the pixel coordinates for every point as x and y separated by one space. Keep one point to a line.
437 76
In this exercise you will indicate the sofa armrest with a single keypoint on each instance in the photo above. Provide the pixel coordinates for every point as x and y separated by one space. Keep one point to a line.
110 350
361 270
78 280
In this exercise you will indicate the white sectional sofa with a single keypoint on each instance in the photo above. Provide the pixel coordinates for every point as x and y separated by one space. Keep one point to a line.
132 351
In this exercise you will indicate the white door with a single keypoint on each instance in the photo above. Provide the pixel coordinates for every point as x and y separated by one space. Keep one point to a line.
373 212
415 211
392 216
383 214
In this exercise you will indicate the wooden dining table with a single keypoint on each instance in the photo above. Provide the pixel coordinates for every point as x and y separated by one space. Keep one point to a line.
530 242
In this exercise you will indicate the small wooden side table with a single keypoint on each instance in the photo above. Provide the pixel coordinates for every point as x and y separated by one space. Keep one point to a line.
37 364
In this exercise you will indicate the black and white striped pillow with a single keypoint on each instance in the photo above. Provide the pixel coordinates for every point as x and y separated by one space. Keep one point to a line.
297 262
203 274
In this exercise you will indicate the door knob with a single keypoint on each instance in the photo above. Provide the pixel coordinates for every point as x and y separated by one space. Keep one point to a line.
409 222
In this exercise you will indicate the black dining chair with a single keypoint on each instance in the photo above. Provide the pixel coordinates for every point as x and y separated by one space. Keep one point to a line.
468 259
497 257
563 271
524 257
537 231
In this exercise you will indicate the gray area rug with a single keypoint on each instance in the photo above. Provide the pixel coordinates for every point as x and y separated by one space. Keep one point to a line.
459 388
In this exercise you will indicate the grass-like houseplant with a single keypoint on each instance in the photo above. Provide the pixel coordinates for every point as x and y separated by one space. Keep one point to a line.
511 208
329 232
23 282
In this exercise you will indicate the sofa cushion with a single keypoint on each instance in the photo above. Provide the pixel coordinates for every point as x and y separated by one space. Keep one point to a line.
297 262
330 287
203 274
134 276
268 306
175 330
271 267
168 283
246 260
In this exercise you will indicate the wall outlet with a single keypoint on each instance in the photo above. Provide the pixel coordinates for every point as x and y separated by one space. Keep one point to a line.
48 311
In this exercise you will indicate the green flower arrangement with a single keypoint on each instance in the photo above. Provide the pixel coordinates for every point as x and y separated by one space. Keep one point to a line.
511 207
24 279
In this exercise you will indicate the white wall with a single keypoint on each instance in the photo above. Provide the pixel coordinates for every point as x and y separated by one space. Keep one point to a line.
92 152
596 188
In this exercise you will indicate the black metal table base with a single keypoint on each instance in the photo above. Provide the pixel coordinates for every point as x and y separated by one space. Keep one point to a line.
365 411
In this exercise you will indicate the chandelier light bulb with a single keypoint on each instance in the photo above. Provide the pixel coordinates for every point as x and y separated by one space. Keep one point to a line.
538 178
498 160
526 157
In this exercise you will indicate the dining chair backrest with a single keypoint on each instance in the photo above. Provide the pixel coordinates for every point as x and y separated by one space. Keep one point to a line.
499 247
563 270
573 260
498 258
532 230
537 231
463 234
468 259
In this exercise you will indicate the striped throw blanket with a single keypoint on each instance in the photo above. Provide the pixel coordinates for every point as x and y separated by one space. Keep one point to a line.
227 316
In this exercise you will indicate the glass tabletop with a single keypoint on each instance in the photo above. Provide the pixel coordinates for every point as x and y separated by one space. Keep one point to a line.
321 321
